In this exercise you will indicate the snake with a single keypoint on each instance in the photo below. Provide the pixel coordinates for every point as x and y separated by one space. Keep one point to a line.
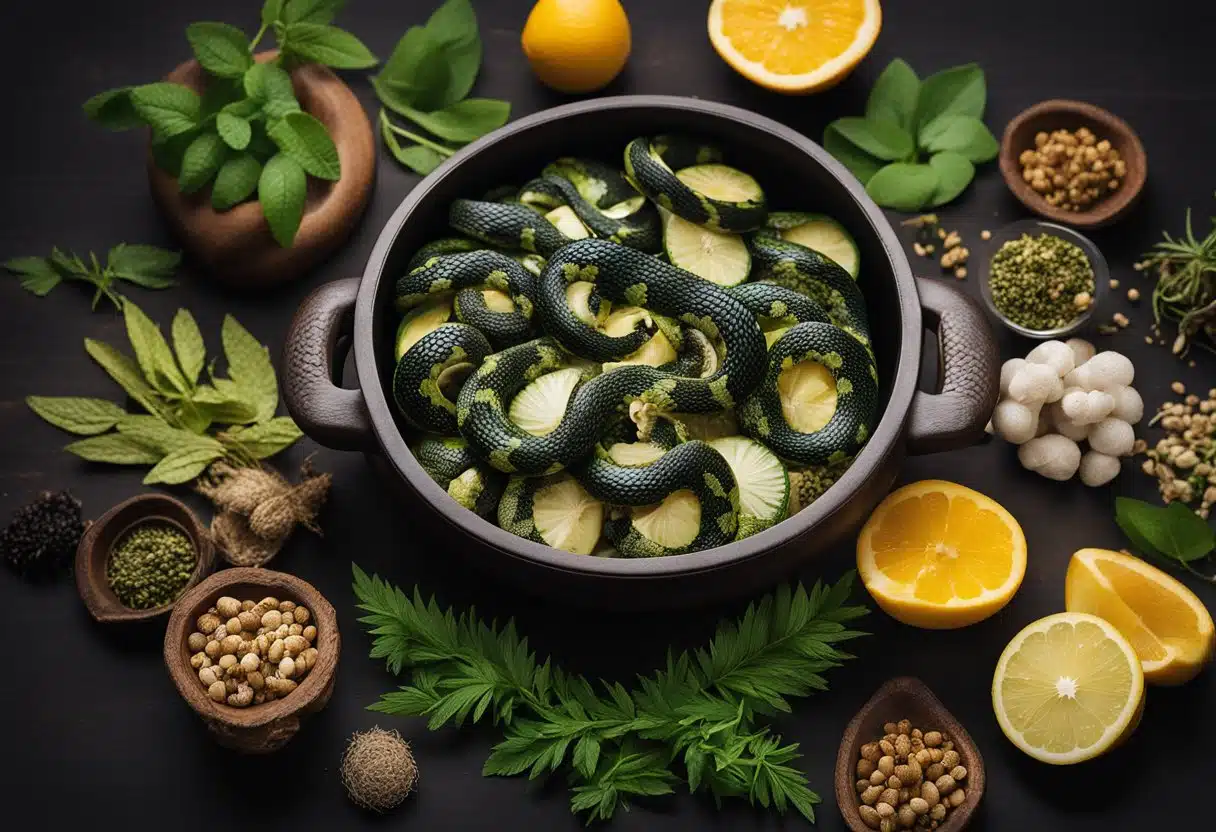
434 363
639 229
468 481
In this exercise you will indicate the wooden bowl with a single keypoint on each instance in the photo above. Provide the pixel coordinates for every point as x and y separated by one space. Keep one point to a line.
258 729
905 698
236 246
93 553
1059 114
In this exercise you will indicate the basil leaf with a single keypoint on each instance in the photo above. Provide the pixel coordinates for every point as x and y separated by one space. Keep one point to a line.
236 180
416 75
327 45
268 82
860 164
965 135
880 139
37 274
113 109
221 49
311 11
954 174
893 98
86 417
421 160
305 139
182 465
169 109
152 351
116 449
272 10
1173 531
188 344
454 26
959 91
250 367
234 130
200 162
464 121
902 186
268 438
126 372
282 191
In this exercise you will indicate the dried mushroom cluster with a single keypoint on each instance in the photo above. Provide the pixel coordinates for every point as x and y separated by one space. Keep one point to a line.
909 779
247 652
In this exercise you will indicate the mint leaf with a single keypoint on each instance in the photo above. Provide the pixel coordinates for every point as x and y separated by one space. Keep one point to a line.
282 190
305 139
245 108
416 74
893 97
454 26
272 10
188 344
954 174
880 139
169 109
250 367
147 266
86 417
152 351
1173 531
220 94
113 109
126 372
327 45
902 186
860 164
311 11
236 180
268 82
464 121
224 407
168 152
234 130
37 274
268 438
182 465
965 135
959 91
221 49
200 162
116 449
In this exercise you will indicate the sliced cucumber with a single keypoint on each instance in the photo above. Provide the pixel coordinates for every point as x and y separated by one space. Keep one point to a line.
764 482
577 295
709 426
721 259
635 453
567 517
673 523
721 182
655 352
568 223
808 395
421 320
624 208
540 406
821 233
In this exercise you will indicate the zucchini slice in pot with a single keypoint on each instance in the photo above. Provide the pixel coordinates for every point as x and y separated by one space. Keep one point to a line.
820 233
764 483
568 223
635 453
420 320
722 259
541 405
654 353
808 395
555 510
671 524
721 182
578 298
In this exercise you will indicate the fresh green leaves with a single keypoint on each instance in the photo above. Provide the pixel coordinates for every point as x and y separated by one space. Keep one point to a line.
249 115
173 435
1172 534
146 266
426 80
919 141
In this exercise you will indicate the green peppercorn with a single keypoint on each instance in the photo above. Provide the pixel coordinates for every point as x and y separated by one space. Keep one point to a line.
1041 282
150 565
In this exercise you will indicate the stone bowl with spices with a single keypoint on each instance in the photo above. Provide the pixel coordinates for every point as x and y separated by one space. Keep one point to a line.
1042 280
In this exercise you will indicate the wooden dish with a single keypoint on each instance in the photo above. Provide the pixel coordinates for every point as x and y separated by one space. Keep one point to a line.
93 553
258 729
236 246
905 698
1058 114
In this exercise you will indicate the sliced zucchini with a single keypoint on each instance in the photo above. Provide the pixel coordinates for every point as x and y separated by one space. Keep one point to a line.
673 523
624 208
821 233
722 259
808 395
567 517
421 320
568 223
655 352
635 453
540 406
764 483
721 182
578 295
497 301
532 262
709 426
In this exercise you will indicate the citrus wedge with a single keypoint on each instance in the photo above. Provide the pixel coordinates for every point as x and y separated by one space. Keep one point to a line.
1167 625
794 46
939 555
1068 688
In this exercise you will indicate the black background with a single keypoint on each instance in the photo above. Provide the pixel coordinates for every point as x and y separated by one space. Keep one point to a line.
93 729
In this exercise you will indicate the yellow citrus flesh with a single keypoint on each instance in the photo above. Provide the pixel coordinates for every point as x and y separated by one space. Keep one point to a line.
939 555
1167 625
808 395
795 46
576 46
1068 688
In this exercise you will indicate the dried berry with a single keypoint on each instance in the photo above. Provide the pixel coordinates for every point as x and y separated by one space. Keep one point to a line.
42 537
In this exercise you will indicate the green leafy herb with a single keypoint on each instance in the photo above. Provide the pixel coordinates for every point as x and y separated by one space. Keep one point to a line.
176 433
145 266
246 135
919 141
1172 534
1185 270
426 80
697 717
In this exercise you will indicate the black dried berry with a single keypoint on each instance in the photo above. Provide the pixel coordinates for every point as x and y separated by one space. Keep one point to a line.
42 537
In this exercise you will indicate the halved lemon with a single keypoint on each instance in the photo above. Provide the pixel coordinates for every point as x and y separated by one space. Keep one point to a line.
794 46
1167 625
936 554
1068 688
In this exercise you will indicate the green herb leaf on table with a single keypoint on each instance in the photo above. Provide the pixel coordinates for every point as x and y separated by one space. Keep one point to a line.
169 109
188 344
418 158
233 129
126 372
964 135
266 438
454 25
903 187
464 121
327 45
954 174
960 90
37 274
182 465
1172 533
416 75
146 266
221 49
152 352
880 139
116 449
113 109
250 367
860 164
893 97
309 11
230 408
282 191
306 140
85 417
236 181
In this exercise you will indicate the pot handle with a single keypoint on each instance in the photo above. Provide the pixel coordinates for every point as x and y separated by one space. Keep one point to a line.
968 373
312 359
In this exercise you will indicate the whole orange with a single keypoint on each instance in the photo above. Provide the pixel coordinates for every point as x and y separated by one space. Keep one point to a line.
577 46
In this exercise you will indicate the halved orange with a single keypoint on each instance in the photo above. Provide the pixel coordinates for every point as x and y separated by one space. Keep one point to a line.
794 46
939 555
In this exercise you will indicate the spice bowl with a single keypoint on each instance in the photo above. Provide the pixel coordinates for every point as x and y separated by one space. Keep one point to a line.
264 728
93 554
907 698
1036 227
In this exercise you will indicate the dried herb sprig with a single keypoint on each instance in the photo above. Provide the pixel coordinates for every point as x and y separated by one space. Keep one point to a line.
1185 270
146 266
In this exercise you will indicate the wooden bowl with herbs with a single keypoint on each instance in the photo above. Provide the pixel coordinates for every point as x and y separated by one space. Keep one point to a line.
254 686
135 562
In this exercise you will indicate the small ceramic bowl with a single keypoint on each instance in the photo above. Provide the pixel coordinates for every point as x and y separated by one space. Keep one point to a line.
257 729
1059 114
906 698
93 553
1034 227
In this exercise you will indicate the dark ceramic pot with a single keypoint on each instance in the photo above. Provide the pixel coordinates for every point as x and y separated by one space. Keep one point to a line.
796 173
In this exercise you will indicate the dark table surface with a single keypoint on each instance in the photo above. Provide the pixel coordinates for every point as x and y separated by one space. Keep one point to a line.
93 729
